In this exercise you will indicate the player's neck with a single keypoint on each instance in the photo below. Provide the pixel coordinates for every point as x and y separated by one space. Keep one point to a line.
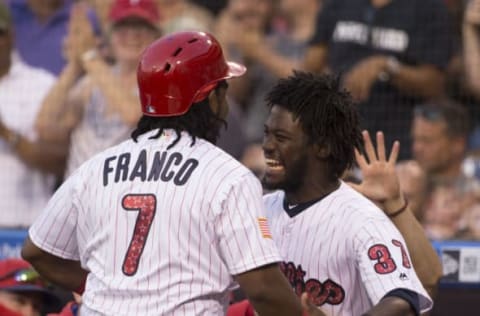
311 191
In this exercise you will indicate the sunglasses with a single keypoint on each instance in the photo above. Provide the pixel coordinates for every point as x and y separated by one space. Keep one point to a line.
25 276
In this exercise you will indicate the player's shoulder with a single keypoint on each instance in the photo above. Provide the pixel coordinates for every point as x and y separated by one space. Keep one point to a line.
97 161
273 203
221 164
274 197
356 204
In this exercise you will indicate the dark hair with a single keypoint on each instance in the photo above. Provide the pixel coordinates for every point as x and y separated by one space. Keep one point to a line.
454 115
199 121
327 114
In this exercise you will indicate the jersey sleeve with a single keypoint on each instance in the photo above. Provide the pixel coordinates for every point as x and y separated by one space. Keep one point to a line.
242 229
54 231
384 262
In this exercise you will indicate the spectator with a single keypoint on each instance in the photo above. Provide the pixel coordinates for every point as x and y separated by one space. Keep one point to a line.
214 6
237 17
25 184
102 10
414 185
243 27
183 15
472 223
440 132
389 58
40 27
22 291
471 61
471 42
233 139
99 110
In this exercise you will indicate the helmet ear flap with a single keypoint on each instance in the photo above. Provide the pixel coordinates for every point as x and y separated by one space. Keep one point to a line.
204 91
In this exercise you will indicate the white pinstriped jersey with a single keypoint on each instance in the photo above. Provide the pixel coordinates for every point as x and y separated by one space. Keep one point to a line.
161 232
344 251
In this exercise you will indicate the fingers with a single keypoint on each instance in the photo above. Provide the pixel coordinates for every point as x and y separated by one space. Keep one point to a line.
392 159
381 147
361 161
306 303
369 149
309 307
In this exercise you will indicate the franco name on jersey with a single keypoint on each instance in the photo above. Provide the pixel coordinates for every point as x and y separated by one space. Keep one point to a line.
164 166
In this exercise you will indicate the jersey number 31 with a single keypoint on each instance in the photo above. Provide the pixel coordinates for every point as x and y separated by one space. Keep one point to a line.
385 263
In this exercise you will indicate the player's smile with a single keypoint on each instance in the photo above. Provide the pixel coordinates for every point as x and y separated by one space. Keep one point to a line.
274 166
274 172
284 154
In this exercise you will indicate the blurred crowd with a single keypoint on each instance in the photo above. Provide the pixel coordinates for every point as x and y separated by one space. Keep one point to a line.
68 91
68 86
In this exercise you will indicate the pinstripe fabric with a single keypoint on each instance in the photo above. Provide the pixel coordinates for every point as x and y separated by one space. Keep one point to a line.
330 244
202 231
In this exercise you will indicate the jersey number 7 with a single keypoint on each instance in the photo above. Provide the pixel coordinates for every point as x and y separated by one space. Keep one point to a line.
146 206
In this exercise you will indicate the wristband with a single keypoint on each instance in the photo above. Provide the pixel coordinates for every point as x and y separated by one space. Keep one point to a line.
400 210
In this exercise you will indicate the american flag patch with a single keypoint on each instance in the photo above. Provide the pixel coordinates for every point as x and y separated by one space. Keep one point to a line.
263 224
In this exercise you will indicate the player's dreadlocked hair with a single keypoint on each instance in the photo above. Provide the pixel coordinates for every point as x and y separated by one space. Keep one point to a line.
199 121
327 114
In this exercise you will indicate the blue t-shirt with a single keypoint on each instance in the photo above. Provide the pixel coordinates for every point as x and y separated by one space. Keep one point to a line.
40 44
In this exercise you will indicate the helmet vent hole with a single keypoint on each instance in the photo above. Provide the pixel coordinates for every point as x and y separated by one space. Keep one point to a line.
193 40
167 67
175 54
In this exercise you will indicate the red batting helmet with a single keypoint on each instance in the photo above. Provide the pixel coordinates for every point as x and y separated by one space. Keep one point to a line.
180 69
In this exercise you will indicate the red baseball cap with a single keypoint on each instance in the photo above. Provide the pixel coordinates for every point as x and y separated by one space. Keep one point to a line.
17 275
144 9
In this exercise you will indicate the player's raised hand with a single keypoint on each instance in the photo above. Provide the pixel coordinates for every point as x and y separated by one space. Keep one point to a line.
308 307
380 181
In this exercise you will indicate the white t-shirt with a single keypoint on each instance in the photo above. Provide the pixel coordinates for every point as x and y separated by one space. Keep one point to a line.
161 231
24 191
343 250
99 129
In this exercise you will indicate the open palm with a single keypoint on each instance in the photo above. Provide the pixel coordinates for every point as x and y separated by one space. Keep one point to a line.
380 182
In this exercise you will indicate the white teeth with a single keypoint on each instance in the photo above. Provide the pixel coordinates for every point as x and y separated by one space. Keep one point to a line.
273 165
275 168
272 162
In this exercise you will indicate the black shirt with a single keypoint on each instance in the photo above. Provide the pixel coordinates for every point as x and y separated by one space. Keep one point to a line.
414 31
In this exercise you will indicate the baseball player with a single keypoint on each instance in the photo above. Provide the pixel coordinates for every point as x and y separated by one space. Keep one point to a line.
336 244
163 223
